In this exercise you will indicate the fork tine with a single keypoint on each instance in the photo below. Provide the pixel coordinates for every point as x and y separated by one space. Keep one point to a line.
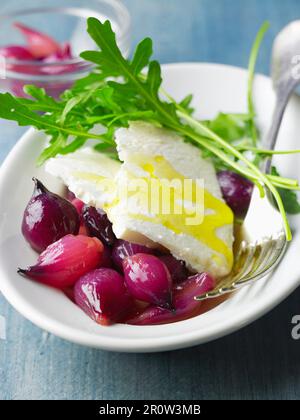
258 247
256 260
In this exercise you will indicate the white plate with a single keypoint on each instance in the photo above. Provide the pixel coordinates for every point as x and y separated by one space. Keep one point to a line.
216 88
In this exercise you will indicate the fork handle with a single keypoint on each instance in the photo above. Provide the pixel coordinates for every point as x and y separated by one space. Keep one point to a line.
282 99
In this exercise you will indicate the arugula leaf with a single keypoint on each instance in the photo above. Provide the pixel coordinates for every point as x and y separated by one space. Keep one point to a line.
20 110
74 145
69 106
13 109
154 79
186 104
231 127
104 97
109 59
142 56
39 94
289 198
55 147
94 80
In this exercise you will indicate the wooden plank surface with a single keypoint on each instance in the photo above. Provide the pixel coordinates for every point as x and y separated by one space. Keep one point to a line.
260 361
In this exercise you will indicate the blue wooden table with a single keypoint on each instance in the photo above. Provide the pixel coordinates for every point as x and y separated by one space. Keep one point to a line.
259 362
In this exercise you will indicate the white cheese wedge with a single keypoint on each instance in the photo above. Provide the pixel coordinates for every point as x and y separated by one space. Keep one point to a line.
147 152
88 174
150 154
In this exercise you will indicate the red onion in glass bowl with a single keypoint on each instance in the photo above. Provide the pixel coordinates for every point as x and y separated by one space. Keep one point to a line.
47 218
64 53
39 44
16 52
41 55
51 68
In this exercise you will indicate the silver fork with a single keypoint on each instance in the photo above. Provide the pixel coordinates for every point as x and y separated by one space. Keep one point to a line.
259 247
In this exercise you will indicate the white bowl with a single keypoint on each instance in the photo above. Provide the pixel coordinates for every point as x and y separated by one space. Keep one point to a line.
216 88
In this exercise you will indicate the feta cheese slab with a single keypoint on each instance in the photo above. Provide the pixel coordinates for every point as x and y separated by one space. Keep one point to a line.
148 151
88 174
148 154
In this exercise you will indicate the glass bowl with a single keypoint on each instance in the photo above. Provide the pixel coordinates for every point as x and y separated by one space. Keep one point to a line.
65 21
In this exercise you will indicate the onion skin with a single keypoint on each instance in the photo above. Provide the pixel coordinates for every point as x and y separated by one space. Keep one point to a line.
47 218
185 306
78 204
103 296
69 292
16 52
65 261
148 279
40 45
98 225
237 192
70 196
106 261
64 53
124 249
82 230
177 268
55 59
19 54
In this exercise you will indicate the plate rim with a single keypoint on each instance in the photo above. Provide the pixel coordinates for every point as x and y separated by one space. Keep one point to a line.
134 345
